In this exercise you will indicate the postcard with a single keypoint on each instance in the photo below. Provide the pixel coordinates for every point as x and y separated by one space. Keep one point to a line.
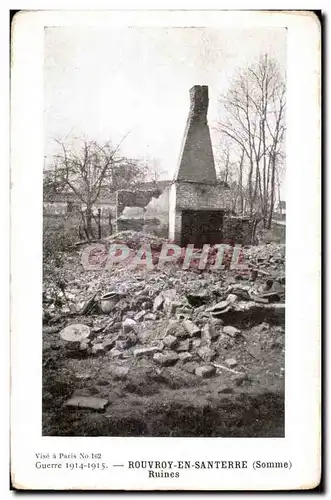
165 279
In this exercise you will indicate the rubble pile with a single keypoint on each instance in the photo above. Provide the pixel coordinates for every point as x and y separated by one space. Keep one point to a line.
169 329
223 328
196 321
269 257
135 239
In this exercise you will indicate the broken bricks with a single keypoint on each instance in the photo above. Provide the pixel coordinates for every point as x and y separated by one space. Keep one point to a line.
147 351
206 354
87 402
192 329
231 331
165 359
231 362
209 333
170 341
205 371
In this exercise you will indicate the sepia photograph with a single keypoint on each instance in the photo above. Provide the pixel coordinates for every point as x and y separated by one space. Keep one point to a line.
165 250
164 223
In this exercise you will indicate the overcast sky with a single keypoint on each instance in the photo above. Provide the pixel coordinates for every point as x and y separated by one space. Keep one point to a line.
102 84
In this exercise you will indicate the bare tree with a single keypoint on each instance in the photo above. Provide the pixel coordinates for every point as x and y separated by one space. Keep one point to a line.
254 109
91 167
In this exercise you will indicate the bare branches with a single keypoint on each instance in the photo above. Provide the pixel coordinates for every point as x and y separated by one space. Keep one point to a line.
254 122
87 169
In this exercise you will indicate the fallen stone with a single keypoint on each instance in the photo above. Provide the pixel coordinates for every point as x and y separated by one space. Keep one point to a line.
231 362
123 306
240 379
108 344
122 345
209 333
83 376
139 315
225 389
219 306
147 305
172 308
87 402
224 342
192 329
75 333
129 325
115 327
150 317
84 347
170 341
253 275
231 298
169 295
129 340
167 359
181 316
158 302
97 349
176 329
190 367
147 351
205 371
119 371
206 353
115 353
231 331
218 313
183 345
196 343
240 292
185 356
216 322
254 350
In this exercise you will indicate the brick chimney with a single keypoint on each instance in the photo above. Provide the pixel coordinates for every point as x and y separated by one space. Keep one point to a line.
196 159
196 202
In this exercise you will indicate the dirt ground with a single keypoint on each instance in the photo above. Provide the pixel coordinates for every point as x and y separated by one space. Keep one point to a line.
145 396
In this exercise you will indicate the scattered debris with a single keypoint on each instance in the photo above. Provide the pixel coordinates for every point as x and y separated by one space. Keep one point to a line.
192 329
75 333
87 402
231 331
167 359
146 351
231 362
205 371
222 367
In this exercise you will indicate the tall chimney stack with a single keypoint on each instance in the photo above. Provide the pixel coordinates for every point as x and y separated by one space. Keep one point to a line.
196 160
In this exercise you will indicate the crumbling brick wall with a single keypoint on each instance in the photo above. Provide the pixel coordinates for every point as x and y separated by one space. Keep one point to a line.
132 199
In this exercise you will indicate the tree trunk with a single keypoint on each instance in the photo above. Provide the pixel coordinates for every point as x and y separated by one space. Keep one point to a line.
272 194
89 216
241 208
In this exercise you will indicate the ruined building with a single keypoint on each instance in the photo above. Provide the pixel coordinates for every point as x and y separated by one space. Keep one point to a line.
192 208
197 202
